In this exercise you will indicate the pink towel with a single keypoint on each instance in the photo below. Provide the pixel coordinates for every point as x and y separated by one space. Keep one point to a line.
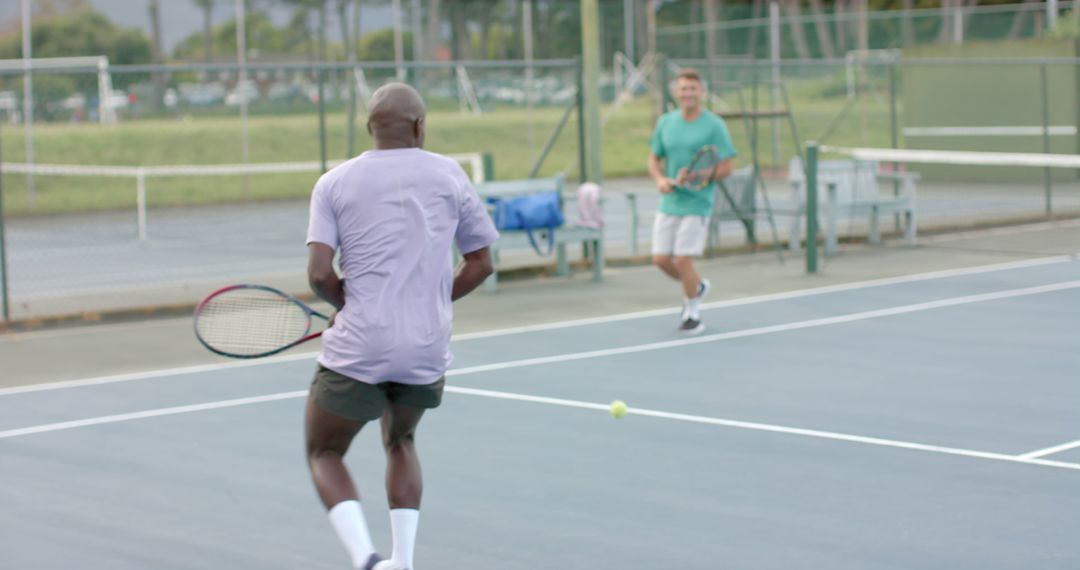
590 214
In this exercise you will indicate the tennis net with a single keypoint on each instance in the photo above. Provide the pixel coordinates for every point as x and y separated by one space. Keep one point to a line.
188 185
941 190
1009 183
117 238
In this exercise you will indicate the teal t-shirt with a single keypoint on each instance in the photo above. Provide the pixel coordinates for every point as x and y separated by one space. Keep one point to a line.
676 141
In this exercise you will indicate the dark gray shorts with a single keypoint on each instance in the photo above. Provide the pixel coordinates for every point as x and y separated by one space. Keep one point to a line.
363 402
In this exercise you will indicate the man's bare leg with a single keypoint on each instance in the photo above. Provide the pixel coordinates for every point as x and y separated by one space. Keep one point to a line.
327 440
666 263
404 479
687 273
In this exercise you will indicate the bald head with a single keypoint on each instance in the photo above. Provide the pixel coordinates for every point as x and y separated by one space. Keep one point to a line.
396 116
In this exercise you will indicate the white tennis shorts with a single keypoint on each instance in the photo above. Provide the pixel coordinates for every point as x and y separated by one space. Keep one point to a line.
682 236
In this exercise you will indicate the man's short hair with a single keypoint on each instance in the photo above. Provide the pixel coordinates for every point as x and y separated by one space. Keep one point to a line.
690 73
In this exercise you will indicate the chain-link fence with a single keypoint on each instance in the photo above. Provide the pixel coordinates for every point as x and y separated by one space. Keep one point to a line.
73 241
116 235
981 104
817 32
207 167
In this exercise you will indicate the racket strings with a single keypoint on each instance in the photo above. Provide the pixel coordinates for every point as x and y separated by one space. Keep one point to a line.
699 173
251 322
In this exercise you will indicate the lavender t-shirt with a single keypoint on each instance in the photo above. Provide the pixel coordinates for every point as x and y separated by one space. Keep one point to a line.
392 215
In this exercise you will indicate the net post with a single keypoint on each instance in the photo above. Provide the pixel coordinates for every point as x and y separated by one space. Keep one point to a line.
488 166
811 207
322 123
753 112
322 90
579 102
590 61
1076 82
774 58
4 295
140 203
665 79
893 139
241 56
1046 136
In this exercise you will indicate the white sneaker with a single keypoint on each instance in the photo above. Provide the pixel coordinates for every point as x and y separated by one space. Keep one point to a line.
703 288
389 565
691 326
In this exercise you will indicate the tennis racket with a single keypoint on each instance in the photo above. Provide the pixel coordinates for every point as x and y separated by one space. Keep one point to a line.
699 174
251 321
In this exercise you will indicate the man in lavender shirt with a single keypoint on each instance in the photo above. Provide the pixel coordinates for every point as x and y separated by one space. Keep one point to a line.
393 214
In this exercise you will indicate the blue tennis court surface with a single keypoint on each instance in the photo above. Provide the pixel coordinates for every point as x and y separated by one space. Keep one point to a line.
908 423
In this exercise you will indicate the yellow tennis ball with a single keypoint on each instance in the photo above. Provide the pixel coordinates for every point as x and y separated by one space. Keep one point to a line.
618 409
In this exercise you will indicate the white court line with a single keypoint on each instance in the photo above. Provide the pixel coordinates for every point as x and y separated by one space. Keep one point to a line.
1005 231
1004 131
1052 450
754 426
150 374
101 420
36 335
825 321
779 296
736 424
853 317
82 329
557 325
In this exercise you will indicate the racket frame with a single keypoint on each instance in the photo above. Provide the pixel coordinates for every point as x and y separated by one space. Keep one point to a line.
308 311
707 149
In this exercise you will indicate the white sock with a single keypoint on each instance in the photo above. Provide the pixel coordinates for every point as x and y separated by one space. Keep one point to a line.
693 308
348 521
403 523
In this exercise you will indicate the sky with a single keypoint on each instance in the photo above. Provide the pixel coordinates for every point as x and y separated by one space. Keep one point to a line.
181 18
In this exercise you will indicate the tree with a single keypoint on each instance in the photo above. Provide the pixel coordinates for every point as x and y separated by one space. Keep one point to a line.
379 46
822 27
796 25
81 32
349 40
294 38
712 18
302 12
207 7
459 29
841 9
347 37
155 28
908 36
434 39
755 13
946 21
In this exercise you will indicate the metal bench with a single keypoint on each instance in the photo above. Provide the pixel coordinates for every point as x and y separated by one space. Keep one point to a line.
851 189
735 200
592 239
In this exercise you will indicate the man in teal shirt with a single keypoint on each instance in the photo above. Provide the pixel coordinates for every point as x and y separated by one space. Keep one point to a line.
681 226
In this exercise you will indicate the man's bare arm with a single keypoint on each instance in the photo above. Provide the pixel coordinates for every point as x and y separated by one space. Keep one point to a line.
723 170
322 278
472 272
656 170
